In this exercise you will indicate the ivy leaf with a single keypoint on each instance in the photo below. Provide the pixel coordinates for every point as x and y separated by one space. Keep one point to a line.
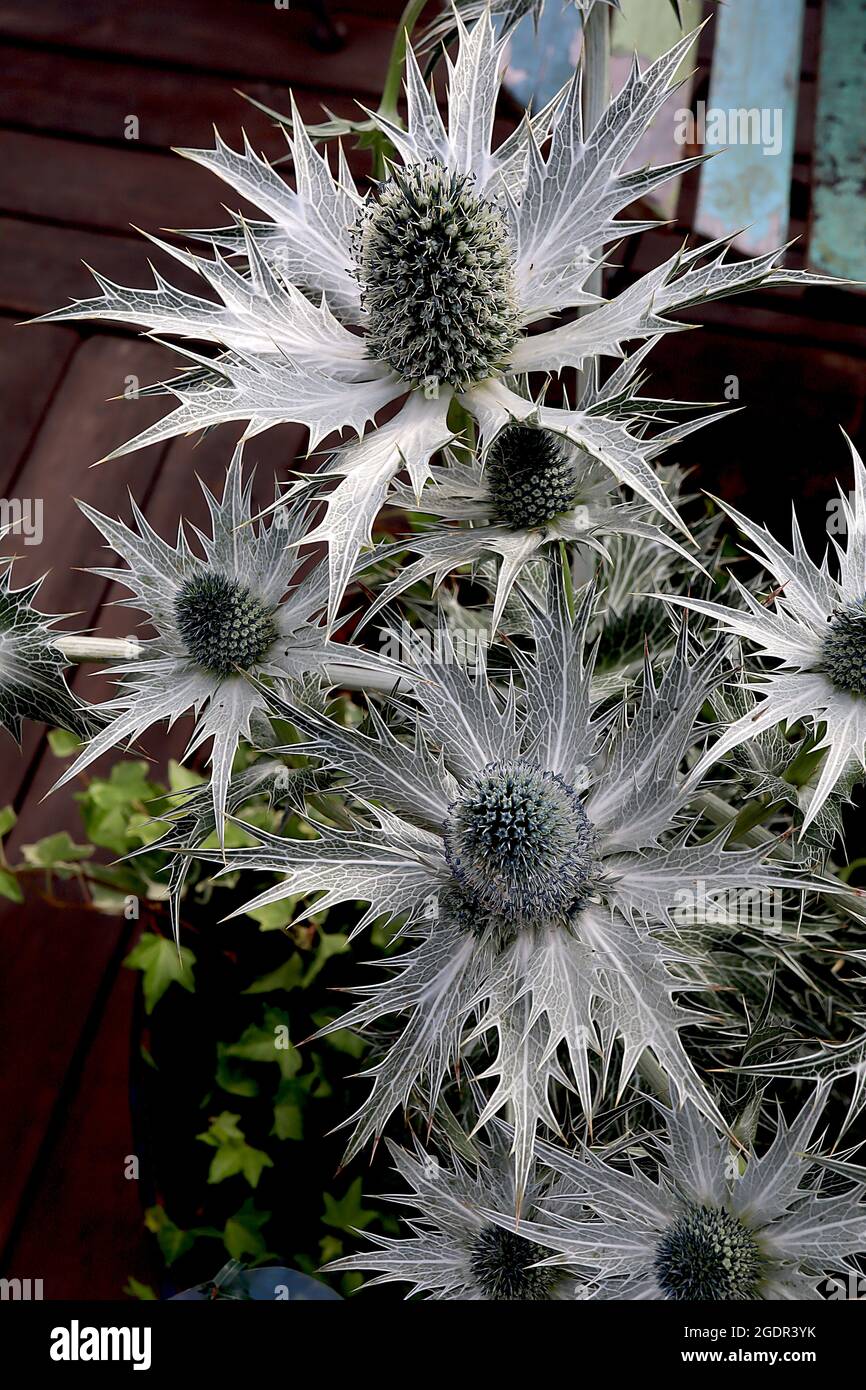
181 779
233 1154
268 1042
287 976
288 1110
242 1235
330 944
133 1288
7 820
55 851
161 965
118 811
63 744
10 887
346 1213
232 1078
275 916
343 1040
172 1241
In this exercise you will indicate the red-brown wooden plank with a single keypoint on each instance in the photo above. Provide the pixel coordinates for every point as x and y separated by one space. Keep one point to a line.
42 267
108 189
95 98
82 1231
229 36
30 368
81 426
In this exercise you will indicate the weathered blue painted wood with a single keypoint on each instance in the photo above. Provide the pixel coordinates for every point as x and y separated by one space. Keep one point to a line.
837 244
541 62
751 114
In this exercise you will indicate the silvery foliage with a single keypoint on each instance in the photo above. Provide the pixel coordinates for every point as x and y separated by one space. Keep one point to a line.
525 826
456 1250
242 608
706 1217
814 633
604 964
287 333
32 681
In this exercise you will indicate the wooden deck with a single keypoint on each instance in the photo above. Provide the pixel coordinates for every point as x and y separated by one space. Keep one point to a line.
72 184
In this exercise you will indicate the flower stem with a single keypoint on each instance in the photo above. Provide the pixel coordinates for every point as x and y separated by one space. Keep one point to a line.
594 97
78 649
81 649
397 61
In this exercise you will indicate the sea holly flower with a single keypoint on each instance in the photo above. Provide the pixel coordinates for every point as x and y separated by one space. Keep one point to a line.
32 683
455 1251
531 842
424 290
241 609
816 633
705 1221
533 490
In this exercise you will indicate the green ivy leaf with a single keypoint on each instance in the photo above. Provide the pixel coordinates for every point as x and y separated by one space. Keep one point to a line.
158 960
62 743
242 1235
275 916
233 1078
7 820
10 887
118 811
288 1110
181 779
233 1154
346 1213
330 944
172 1241
287 976
268 1042
55 851
133 1288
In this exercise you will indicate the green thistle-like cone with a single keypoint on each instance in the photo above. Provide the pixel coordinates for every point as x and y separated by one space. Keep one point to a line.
501 1265
435 268
519 843
32 684
843 651
223 625
529 480
708 1255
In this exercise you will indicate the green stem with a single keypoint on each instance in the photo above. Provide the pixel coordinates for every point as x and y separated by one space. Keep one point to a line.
568 581
594 97
397 61
596 85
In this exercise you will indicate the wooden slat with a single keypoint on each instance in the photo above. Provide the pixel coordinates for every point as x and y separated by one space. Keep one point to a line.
80 426
221 36
838 236
49 985
43 267
96 98
756 67
173 491
31 365
82 1231
106 189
